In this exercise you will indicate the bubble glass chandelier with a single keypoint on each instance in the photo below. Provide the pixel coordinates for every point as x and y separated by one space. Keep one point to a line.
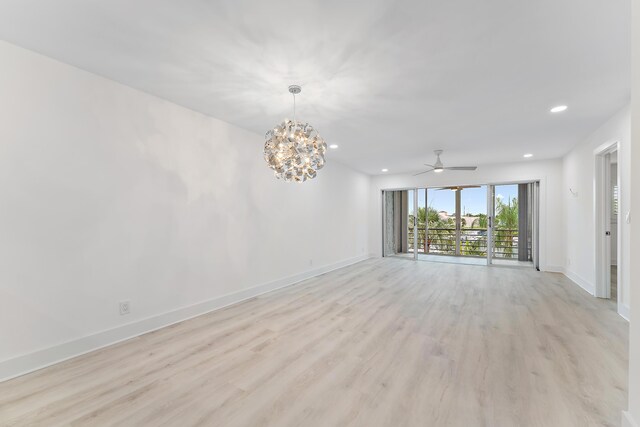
294 150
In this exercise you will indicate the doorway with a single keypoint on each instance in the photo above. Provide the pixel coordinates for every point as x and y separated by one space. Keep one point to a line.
607 222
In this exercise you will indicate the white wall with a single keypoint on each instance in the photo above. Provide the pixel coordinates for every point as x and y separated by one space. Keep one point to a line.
634 327
110 194
579 174
549 172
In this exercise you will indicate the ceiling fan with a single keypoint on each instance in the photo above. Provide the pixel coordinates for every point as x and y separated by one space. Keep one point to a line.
458 187
439 167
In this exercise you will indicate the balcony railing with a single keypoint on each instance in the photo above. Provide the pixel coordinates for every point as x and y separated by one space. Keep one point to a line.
473 242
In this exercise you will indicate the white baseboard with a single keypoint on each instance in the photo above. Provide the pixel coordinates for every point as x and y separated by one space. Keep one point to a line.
624 311
584 284
627 420
30 362
552 269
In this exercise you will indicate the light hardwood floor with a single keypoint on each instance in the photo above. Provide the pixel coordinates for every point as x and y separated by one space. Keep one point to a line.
385 342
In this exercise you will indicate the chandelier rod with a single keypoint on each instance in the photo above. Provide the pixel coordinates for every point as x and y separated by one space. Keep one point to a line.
294 90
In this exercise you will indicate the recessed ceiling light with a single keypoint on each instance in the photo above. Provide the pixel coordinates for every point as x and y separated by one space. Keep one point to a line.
385 170
333 146
558 109
526 156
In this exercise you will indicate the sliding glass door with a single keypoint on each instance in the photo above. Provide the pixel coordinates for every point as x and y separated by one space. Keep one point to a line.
513 224
506 220
457 221
493 224
473 221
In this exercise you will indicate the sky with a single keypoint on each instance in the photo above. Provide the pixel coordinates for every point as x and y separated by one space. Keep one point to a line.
473 200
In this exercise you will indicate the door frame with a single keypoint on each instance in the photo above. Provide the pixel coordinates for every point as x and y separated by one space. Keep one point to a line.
491 211
602 215
416 234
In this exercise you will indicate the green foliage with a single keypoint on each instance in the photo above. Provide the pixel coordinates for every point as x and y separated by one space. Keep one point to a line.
480 222
442 231
507 214
431 215
506 226
473 247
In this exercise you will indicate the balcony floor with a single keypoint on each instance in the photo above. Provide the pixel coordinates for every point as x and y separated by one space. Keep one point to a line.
452 259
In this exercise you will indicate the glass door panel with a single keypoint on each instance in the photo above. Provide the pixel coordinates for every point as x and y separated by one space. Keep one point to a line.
441 222
513 224
505 224
473 221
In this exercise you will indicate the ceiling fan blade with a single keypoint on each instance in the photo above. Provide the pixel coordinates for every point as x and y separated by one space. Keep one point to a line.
420 173
431 166
462 168
459 187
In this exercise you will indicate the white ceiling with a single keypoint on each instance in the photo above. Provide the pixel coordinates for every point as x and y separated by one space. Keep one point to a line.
389 81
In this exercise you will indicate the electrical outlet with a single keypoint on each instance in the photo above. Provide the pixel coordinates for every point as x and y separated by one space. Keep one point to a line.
125 308
310 262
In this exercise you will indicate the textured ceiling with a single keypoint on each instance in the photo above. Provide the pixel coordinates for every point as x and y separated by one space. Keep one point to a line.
389 81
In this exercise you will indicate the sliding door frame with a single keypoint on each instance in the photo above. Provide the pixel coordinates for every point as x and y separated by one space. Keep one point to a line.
535 220
538 183
491 211
416 234
535 226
